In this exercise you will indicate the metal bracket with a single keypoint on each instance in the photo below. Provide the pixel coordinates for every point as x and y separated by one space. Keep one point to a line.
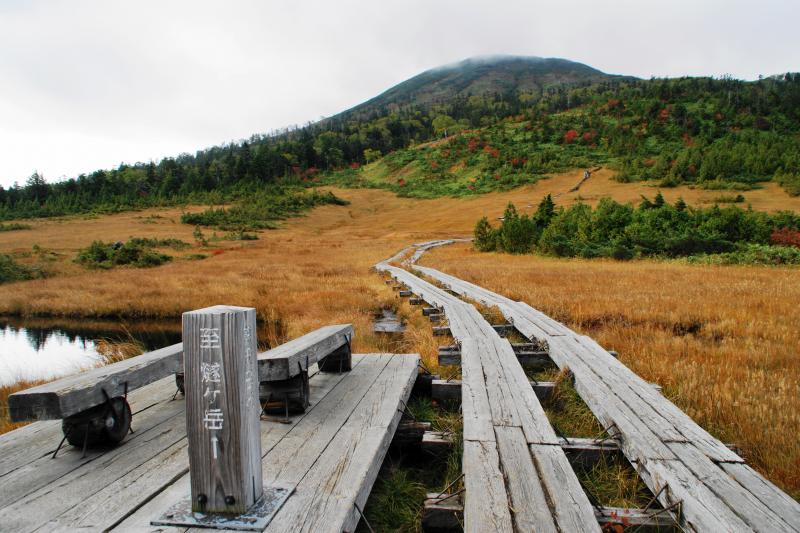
256 518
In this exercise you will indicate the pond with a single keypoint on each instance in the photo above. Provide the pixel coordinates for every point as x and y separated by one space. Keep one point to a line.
32 350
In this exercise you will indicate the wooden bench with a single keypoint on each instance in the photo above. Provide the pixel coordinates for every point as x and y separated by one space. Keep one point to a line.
93 405
283 371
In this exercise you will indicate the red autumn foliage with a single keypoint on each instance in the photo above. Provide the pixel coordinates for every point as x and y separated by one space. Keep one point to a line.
494 152
785 237
649 162
497 177
589 136
570 136
471 187
354 165
434 165
473 144
401 182
663 115
687 140
218 251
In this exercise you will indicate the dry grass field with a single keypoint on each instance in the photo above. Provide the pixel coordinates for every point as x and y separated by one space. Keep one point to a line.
722 340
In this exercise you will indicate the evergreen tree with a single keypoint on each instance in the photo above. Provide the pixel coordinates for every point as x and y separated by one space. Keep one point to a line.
485 236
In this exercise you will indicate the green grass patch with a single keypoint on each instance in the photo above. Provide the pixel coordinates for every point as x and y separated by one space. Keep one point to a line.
11 270
396 501
259 211
101 255
728 199
614 485
752 254
14 226
567 412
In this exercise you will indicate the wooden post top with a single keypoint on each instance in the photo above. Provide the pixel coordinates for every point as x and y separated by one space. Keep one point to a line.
217 309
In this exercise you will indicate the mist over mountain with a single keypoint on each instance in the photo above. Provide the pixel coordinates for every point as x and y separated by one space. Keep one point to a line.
484 76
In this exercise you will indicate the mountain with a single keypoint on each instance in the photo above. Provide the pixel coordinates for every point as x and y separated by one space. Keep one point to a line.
480 125
484 76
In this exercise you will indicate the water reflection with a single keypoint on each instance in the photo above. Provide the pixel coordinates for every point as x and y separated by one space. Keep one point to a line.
40 350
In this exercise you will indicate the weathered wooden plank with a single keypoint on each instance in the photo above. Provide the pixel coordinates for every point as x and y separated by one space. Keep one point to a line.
571 507
638 442
451 389
475 409
485 499
42 470
530 359
589 452
442 512
325 498
80 484
511 398
774 498
26 456
701 509
529 506
295 356
683 425
73 394
154 499
606 369
746 505
295 454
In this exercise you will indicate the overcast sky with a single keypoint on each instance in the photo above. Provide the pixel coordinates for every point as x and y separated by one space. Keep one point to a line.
90 84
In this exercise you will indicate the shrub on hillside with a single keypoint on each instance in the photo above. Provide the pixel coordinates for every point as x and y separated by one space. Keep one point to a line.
10 270
654 228
109 255
260 211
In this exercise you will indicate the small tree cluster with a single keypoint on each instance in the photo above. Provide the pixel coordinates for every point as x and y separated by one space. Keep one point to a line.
622 231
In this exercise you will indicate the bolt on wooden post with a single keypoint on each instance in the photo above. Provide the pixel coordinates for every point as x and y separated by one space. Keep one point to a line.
222 408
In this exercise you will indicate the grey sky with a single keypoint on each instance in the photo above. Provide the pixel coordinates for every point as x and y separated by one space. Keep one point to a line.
90 84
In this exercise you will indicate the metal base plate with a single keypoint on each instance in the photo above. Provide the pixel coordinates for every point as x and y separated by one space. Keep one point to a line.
257 518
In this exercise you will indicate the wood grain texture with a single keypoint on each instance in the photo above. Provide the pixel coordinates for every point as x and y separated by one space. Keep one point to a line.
296 356
529 506
222 408
486 503
73 394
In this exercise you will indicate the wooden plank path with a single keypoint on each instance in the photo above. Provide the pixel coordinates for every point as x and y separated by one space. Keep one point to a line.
329 456
689 470
516 475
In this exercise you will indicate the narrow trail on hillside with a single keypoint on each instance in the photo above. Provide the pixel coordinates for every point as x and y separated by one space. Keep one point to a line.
586 175
516 474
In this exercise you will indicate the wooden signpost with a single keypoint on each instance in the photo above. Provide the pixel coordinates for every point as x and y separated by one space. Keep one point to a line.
222 408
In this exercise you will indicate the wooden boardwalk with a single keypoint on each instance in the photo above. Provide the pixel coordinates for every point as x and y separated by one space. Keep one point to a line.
702 483
516 475
329 456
